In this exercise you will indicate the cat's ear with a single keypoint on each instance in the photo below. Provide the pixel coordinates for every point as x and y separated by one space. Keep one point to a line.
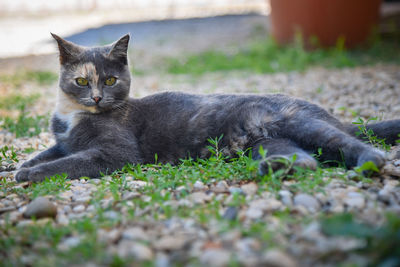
67 49
119 49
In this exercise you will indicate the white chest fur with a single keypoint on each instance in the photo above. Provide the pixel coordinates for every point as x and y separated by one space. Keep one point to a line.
68 113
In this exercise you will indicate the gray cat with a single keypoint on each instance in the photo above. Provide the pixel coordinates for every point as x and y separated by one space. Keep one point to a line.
99 129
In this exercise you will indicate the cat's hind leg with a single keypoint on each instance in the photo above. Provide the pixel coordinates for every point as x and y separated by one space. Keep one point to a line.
387 130
279 153
336 145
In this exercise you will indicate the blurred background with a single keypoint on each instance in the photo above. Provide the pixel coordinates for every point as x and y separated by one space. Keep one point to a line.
26 25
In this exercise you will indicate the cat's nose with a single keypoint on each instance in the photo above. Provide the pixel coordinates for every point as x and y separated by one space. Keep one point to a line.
97 99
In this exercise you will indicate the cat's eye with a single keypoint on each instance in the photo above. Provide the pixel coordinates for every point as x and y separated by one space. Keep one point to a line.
110 81
82 81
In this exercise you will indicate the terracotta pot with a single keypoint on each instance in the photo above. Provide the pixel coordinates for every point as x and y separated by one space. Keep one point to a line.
327 20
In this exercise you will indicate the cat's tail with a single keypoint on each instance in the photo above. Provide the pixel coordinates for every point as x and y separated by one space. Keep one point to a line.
388 130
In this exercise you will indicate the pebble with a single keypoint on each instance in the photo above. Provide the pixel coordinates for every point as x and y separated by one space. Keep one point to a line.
215 257
286 197
162 260
254 213
135 233
389 169
278 258
220 187
235 190
109 236
175 242
200 197
40 207
134 250
69 243
111 215
130 195
62 219
79 208
230 213
250 189
355 200
82 199
307 201
199 186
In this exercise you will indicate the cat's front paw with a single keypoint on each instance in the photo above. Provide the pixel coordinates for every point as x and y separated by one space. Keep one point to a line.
28 164
376 156
29 174
281 162
22 175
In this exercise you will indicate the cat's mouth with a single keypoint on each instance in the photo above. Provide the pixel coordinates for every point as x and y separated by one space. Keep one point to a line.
100 106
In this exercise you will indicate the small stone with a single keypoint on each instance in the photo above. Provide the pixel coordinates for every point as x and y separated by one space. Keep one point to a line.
130 195
14 216
62 219
162 260
267 205
79 208
230 213
254 213
215 257
307 201
250 189
355 200
23 223
135 250
170 243
108 236
95 181
39 208
199 197
278 258
220 187
90 208
389 169
67 209
384 195
82 199
248 245
69 242
235 190
137 184
199 186
286 197
135 233
67 195
396 163
111 215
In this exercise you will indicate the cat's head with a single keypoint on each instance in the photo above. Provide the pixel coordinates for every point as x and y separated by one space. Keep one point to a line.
95 78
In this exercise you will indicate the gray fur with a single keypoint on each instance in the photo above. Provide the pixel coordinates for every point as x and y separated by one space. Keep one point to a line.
94 138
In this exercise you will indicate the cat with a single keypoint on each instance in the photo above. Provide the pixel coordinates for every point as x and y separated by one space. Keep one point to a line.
99 129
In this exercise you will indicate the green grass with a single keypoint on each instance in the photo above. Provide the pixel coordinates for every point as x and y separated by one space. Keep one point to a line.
266 56
23 77
24 124
16 101
8 155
